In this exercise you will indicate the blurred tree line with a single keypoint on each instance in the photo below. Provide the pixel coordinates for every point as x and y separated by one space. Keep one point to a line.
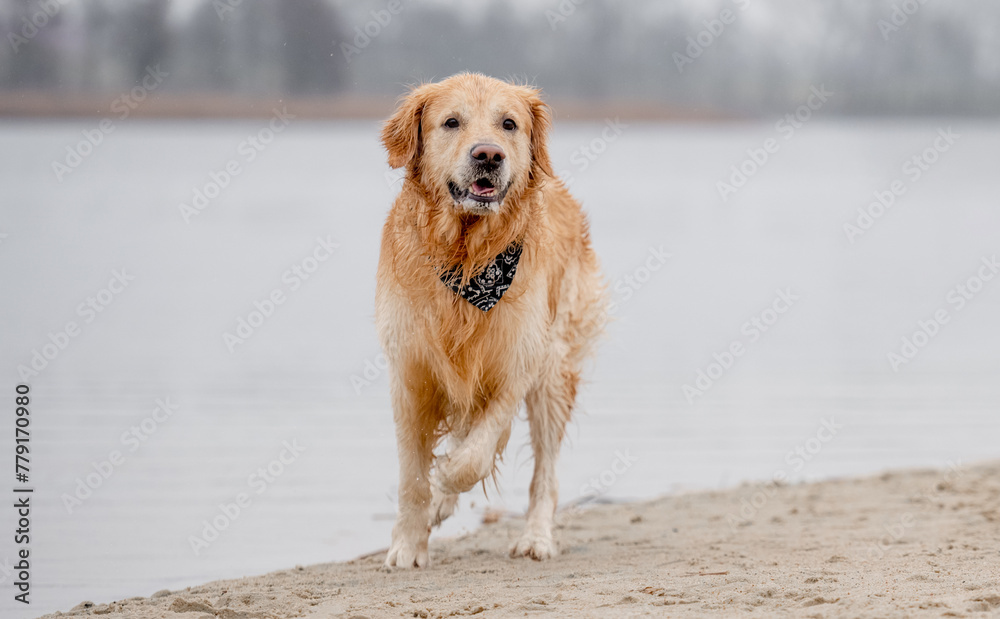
729 56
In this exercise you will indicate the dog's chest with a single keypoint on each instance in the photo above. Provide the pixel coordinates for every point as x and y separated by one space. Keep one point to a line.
504 345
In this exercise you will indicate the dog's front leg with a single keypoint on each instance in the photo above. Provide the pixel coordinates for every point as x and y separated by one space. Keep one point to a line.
416 425
443 502
473 459
550 405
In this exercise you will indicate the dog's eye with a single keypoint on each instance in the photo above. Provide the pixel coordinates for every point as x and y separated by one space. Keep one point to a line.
509 125
451 123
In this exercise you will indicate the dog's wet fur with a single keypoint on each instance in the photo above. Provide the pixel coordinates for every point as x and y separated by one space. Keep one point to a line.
478 179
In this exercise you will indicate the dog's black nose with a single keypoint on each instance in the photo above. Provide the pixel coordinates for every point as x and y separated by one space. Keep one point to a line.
487 153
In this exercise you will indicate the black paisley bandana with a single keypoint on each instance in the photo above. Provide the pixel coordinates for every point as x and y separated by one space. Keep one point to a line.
486 289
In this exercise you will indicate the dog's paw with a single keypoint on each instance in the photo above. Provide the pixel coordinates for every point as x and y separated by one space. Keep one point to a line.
462 469
409 546
442 504
406 553
538 547
443 481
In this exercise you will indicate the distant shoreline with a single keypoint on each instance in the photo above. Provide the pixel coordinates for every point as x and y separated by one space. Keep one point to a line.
42 104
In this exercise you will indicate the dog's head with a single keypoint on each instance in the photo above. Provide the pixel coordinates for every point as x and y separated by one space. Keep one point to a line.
471 141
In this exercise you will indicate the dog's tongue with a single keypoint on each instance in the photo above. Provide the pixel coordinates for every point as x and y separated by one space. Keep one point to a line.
483 187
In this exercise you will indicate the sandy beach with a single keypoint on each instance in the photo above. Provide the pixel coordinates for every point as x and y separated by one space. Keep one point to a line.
901 544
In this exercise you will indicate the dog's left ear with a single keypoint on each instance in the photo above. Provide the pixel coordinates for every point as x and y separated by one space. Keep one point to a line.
401 133
541 121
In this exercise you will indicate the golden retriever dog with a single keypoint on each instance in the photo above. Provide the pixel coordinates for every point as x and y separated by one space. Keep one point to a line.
488 295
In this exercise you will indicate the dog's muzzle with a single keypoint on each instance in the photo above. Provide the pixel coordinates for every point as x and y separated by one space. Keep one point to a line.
483 183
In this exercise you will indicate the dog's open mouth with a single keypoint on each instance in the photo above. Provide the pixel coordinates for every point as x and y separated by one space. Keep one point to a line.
481 190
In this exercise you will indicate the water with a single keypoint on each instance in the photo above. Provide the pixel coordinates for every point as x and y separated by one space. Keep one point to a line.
652 190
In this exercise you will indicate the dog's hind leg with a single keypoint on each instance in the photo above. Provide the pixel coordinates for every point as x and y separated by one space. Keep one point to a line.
550 404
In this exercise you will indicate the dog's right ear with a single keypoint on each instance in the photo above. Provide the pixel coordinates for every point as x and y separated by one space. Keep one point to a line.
401 133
